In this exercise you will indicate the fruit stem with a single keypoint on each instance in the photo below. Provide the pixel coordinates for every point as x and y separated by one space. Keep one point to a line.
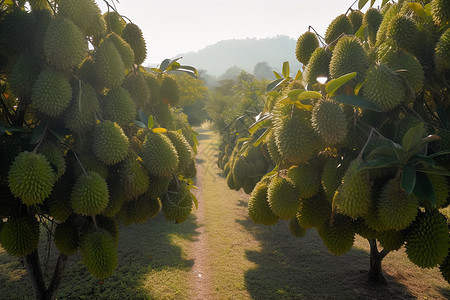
79 162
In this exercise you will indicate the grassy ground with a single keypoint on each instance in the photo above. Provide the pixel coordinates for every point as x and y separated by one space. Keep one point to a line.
218 253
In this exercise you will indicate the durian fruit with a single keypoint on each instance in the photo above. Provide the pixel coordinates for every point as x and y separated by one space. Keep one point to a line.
51 93
90 163
355 190
159 155
445 269
109 224
164 116
427 240
116 199
272 148
314 211
184 150
396 209
16 30
442 52
99 253
114 22
139 210
118 107
258 207
338 235
306 178
306 45
239 171
90 194
388 15
22 76
124 49
348 56
58 203
39 5
108 65
19 236
318 65
67 238
341 24
391 240
96 28
55 157
372 220
372 20
110 143
329 121
363 230
383 87
403 31
64 45
134 179
81 12
333 171
356 18
440 10
87 73
31 178
177 204
283 198
158 186
295 228
441 190
230 181
169 91
153 85
133 35
139 91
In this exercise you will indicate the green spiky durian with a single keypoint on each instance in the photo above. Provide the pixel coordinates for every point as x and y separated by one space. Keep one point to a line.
428 240
283 198
306 178
58 203
184 150
355 191
81 12
39 5
51 93
306 44
169 91
239 171
341 24
139 210
372 20
134 179
31 178
158 186
442 52
272 148
164 116
408 67
445 269
333 171
55 157
329 121
118 106
99 253
388 15
108 65
296 229
110 143
139 91
23 75
16 30
258 207
108 224
339 235
19 236
177 204
230 181
383 87
314 211
159 155
441 190
318 65
115 23
153 85
87 72
67 238
90 194
365 231
372 220
96 28
64 44
348 56
403 31
440 10
391 240
116 199
133 35
356 18
396 209
124 49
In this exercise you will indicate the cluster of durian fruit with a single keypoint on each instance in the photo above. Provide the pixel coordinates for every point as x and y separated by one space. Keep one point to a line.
402 63
90 166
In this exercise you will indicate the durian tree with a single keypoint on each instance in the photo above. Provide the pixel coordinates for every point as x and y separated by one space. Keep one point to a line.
361 145
88 137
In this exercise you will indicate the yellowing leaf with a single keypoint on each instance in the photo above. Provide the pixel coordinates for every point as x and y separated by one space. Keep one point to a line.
159 130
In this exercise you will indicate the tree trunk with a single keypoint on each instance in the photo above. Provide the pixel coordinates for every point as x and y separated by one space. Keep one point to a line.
37 277
375 271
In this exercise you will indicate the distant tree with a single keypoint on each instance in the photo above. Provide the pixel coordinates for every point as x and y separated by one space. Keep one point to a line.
262 71
231 73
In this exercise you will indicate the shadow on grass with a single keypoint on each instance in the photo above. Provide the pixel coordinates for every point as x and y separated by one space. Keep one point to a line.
302 268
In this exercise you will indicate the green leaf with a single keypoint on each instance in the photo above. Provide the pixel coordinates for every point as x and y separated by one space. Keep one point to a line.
372 2
435 170
286 69
299 75
151 122
357 101
295 93
358 87
143 117
274 84
156 70
309 95
173 66
244 139
38 132
262 137
384 3
380 162
428 9
188 69
361 33
361 3
262 122
382 151
408 180
273 94
277 76
443 152
159 130
194 199
58 132
424 189
139 124
165 63
425 160
413 137
335 84
418 9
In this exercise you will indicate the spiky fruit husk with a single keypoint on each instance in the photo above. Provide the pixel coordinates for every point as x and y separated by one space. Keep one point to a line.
442 52
124 49
445 269
116 199
184 150
339 235
230 181
239 170
108 65
403 31
391 240
177 204
158 186
110 143
22 76
16 29
329 121
115 23
306 44
55 157
333 171
39 5
348 56
258 207
383 87
388 15
19 236
169 91
139 210
153 85
58 203
81 113
67 238
396 209
164 115
51 93
87 72
118 107
372 20
296 229
90 163
99 253
108 224
64 44
363 230
441 190
318 65
341 24
159 155
133 178
306 178
133 35
283 198
90 194
81 12
356 18
31 178
139 91
314 211
427 240
440 10
272 148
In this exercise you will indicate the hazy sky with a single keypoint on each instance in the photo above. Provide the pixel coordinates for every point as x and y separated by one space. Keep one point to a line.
172 27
